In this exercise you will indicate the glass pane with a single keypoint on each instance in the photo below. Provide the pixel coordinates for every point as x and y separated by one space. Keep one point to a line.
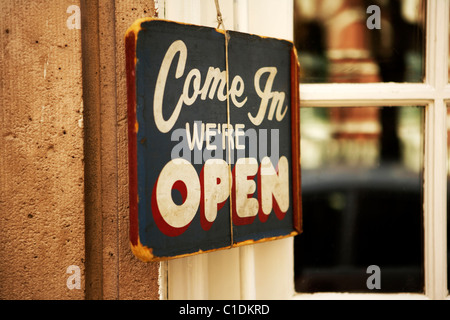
356 41
362 178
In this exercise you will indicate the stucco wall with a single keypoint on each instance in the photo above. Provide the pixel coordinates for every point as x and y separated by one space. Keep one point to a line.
63 152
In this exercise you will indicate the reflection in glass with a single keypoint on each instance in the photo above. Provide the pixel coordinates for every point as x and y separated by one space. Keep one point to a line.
339 41
362 174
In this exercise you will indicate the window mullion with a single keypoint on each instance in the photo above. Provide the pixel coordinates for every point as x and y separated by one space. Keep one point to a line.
437 43
435 193
435 201
365 94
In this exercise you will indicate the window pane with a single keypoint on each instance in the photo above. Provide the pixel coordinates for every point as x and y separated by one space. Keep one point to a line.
362 178
355 41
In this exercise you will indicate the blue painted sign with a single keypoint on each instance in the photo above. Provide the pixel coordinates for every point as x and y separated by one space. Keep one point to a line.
214 149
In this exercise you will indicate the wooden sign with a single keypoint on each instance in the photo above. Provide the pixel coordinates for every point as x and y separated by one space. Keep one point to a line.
214 149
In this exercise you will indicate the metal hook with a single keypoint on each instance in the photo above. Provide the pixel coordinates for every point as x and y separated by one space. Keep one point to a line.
219 15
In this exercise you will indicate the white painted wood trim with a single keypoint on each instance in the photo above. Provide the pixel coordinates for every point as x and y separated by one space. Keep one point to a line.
433 94
267 269
247 253
367 94
247 272
240 11
435 196
196 277
353 296
183 278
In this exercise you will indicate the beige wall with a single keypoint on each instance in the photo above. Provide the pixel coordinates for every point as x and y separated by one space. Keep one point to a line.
63 152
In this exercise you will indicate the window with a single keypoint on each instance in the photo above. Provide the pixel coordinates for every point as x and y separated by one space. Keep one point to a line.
360 41
396 80
362 183
401 96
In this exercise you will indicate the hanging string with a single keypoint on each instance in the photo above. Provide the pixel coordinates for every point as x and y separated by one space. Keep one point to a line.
230 180
219 16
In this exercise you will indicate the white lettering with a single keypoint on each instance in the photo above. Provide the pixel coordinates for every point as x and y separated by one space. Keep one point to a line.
163 125
210 132
194 73
237 92
274 186
198 135
213 78
267 94
245 207
178 216
215 84
239 132
215 187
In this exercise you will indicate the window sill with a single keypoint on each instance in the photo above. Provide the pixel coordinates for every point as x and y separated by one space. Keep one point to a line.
360 296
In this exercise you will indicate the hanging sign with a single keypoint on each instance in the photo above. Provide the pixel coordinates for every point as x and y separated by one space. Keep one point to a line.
213 139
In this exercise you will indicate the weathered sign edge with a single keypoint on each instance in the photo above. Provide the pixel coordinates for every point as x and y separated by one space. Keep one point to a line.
145 253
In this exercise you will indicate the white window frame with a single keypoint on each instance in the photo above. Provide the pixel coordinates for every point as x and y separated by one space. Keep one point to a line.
265 271
434 94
